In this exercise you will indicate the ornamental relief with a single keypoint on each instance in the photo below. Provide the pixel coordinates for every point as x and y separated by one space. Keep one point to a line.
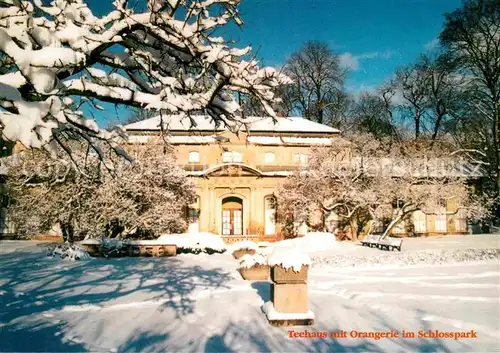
231 181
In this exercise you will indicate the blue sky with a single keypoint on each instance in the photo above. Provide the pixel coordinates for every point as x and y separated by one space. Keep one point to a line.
373 37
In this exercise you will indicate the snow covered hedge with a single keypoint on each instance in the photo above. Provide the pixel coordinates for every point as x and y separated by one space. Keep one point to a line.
195 243
60 58
70 252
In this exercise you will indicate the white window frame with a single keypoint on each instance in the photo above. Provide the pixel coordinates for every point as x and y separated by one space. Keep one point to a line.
232 157
461 221
237 157
269 157
270 215
194 157
301 158
194 216
419 222
441 223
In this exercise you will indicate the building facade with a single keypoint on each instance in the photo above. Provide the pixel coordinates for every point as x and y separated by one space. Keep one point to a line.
237 174
238 169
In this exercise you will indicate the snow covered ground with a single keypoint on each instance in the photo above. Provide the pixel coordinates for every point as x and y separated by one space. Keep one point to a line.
199 303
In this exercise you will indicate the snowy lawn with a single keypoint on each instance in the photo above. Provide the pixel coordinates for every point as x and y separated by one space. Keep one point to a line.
200 303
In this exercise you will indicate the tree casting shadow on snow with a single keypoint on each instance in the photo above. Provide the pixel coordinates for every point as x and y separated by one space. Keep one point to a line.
263 289
32 284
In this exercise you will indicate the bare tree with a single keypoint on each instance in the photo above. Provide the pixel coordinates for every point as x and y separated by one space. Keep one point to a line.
370 115
410 83
58 57
471 37
443 90
318 80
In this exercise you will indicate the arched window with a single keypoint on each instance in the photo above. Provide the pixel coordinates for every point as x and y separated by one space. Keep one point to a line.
194 157
270 215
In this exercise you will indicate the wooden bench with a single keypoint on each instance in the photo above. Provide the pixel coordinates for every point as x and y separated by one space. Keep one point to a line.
389 243
370 240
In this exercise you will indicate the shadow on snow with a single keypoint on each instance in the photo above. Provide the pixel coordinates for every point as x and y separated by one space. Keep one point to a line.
33 286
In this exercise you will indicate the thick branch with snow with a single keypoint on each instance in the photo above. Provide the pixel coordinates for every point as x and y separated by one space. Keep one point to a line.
62 57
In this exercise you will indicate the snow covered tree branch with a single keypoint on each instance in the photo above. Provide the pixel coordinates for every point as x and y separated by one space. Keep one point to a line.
58 58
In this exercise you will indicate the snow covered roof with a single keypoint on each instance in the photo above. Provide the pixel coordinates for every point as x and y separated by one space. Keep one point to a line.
254 124
275 140
173 139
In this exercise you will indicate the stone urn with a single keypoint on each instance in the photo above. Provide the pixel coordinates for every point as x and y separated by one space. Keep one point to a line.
241 252
258 272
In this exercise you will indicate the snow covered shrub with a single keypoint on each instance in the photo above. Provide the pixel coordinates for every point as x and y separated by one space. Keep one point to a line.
85 195
68 252
64 59
248 261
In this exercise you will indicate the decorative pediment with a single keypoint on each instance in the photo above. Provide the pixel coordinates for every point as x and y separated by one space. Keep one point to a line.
232 170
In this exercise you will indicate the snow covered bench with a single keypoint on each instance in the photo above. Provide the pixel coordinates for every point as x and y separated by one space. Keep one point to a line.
370 240
389 243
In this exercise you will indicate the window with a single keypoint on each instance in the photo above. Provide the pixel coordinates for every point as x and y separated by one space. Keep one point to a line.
461 221
194 157
419 222
301 158
234 157
269 157
270 215
194 217
441 223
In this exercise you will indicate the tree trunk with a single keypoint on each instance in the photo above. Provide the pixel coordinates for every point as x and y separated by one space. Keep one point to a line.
391 225
353 225
67 232
417 126
320 115
436 127
496 142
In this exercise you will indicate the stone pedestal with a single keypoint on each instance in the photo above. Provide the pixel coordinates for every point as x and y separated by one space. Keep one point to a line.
289 304
290 297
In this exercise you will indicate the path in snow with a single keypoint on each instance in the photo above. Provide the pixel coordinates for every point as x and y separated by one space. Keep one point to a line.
200 303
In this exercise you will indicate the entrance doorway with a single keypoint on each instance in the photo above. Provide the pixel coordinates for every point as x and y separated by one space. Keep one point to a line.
232 216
